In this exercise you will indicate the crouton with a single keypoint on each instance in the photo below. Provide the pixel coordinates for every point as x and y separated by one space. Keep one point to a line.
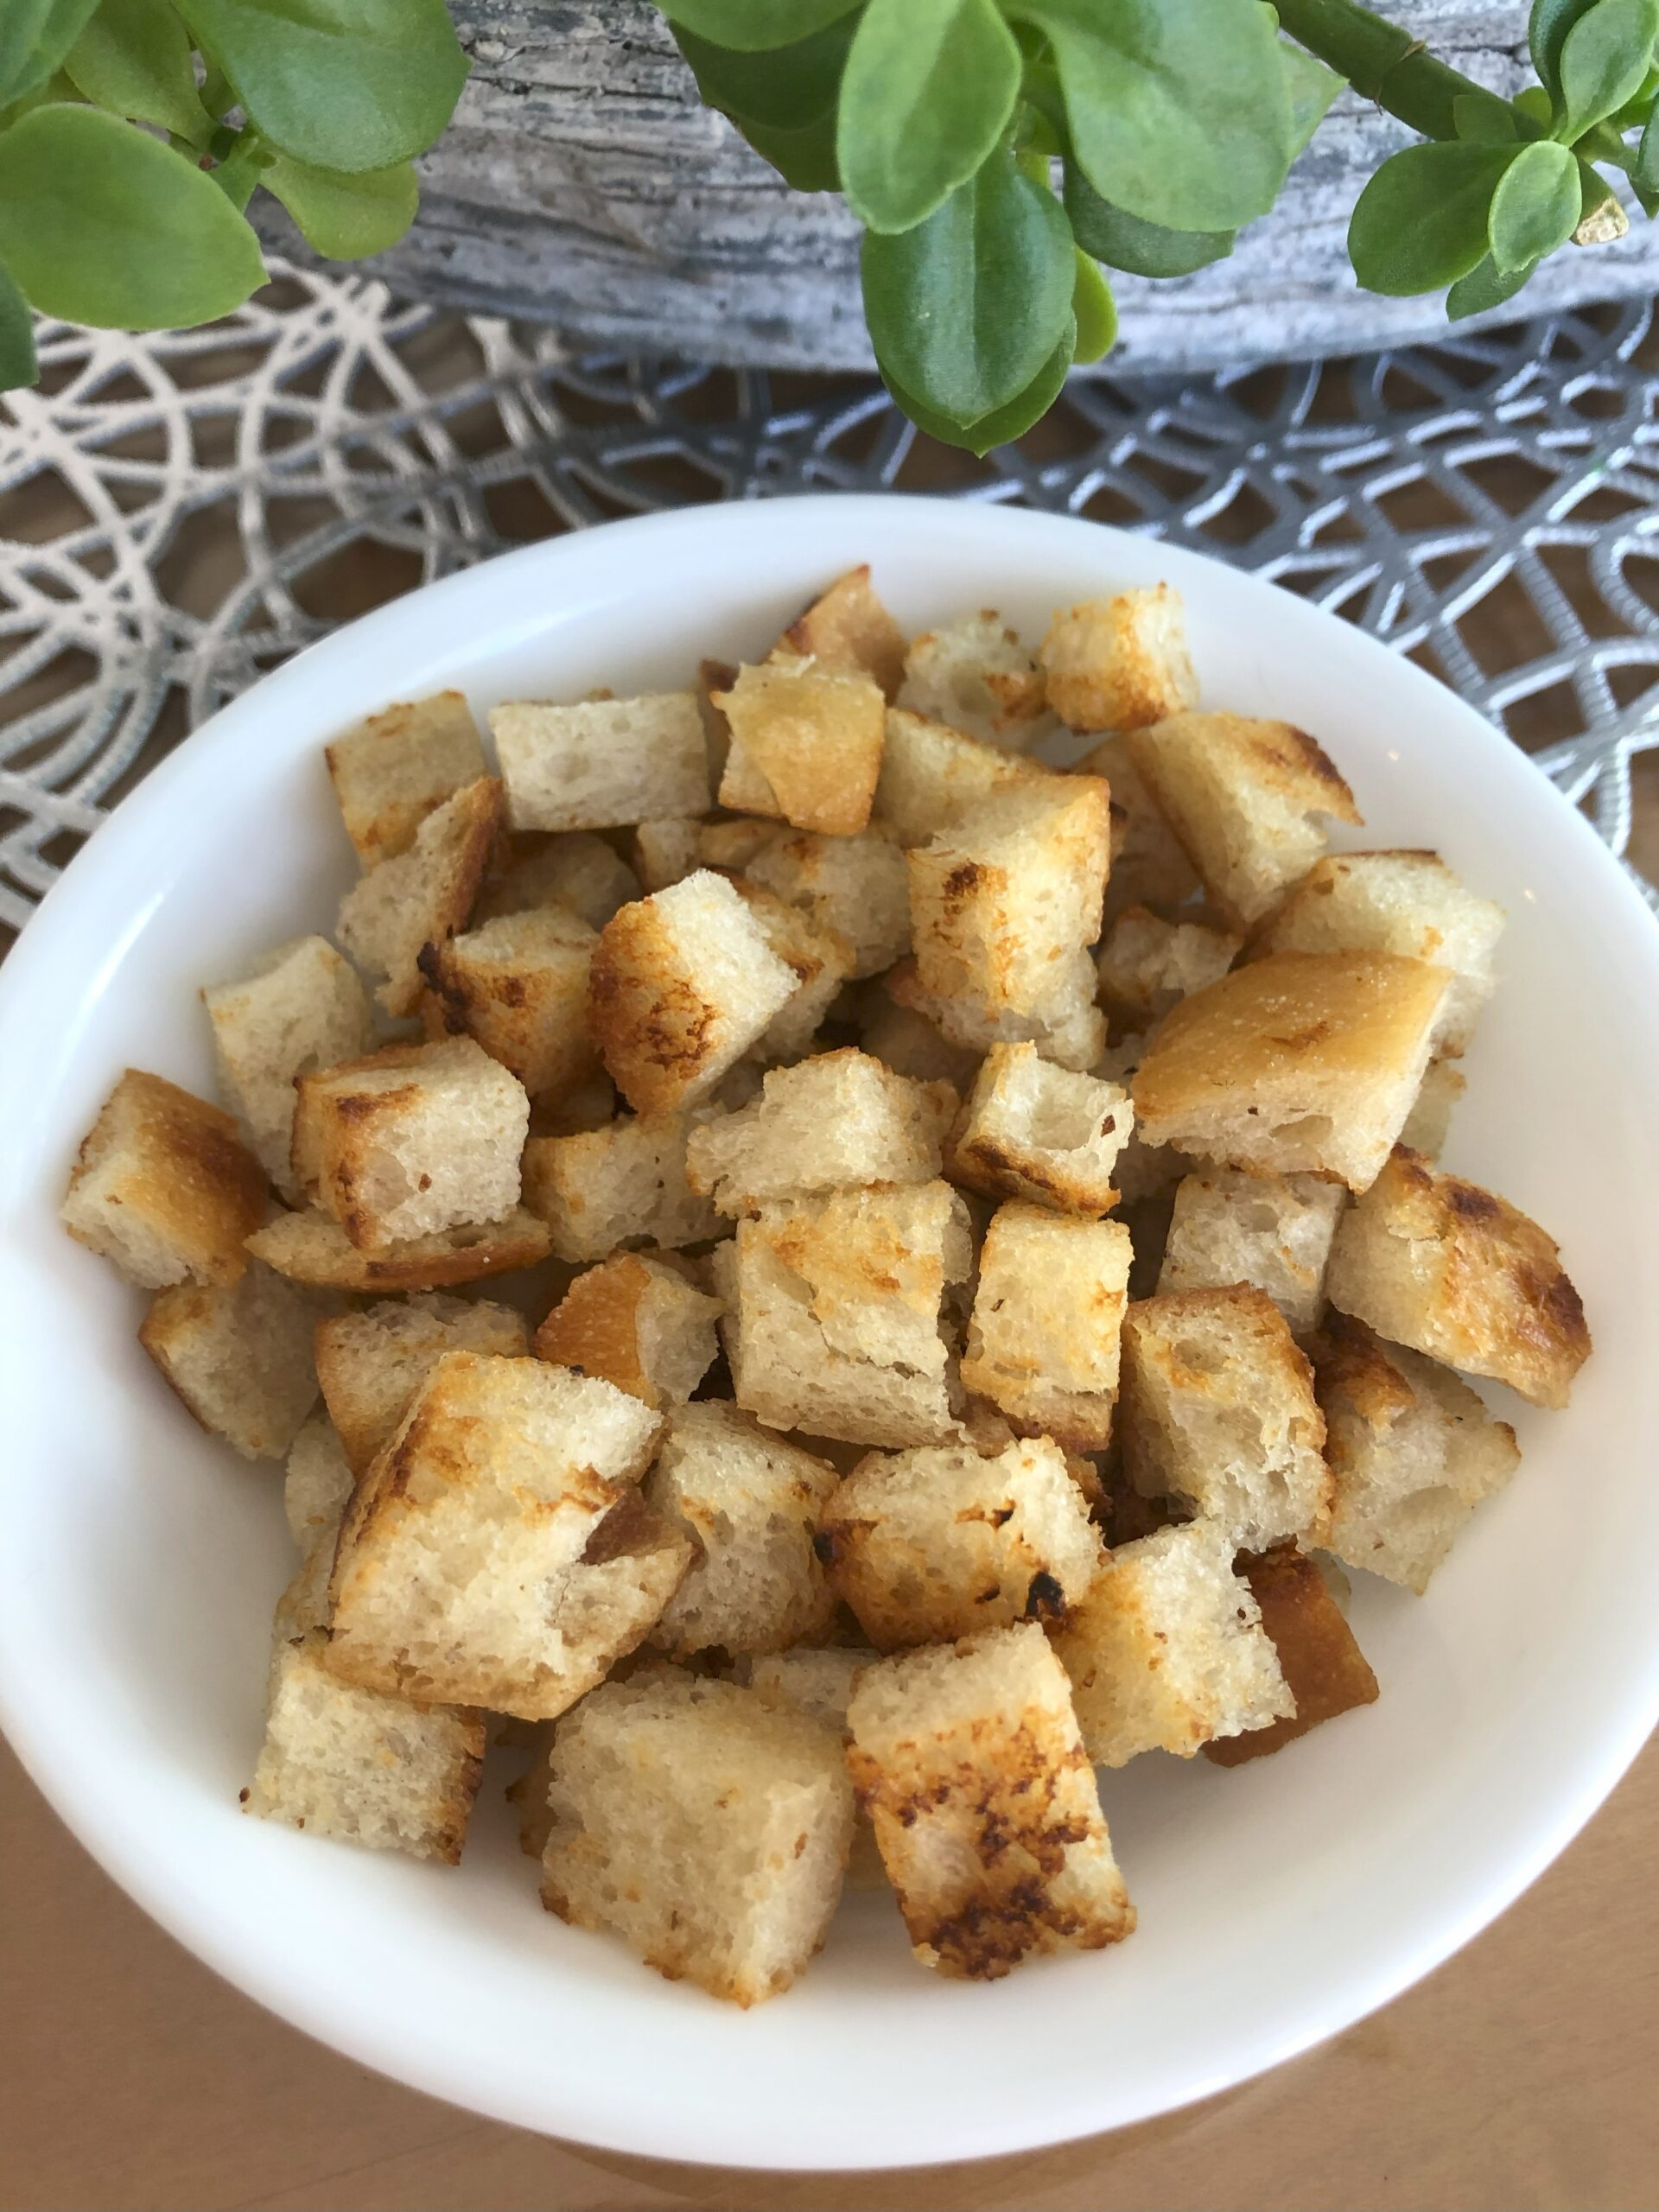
412 1140
833 1122
1302 1062
1142 1172
163 1188
1149 865
623 1184
859 887
1166 1650
422 897
1271 1230
732 844
1412 1452
239 1356
316 1487
821 959
907 1042
636 1323
1242 796
714 676
931 775
299 1008
1407 903
666 851
1116 664
682 985
969 1763
806 744
1451 1270
937 1542
520 985
312 1247
577 870
847 627
1430 1117
1218 1410
396 768
1070 1029
1145 966
371 1363
706 1827
819 1683
590 1106
976 675
833 1305
1043 1337
602 763
1325 1670
496 1553
748 1501
1030 1130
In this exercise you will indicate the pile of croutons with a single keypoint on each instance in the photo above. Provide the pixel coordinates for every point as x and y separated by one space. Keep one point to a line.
900 1393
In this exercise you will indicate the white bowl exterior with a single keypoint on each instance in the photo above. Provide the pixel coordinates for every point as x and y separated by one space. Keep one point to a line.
1278 1903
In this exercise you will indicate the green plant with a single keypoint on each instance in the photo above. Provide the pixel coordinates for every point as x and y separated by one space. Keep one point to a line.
133 134
1173 123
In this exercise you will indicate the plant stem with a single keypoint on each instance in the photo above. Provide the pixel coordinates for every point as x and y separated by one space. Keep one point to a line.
1385 64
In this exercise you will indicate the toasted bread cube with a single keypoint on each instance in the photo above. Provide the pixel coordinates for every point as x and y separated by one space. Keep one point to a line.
1430 1117
636 1323
821 960
931 775
411 1141
602 763
847 627
833 1122
931 1544
239 1356
590 1106
1145 966
714 676
1149 865
968 1761
1271 1230
1143 1172
1043 1339
820 1684
1116 664
858 886
316 1486
1166 1650
683 984
422 897
396 768
833 1306
1412 1452
371 1363
1048 1135
908 1043
520 985
806 744
1068 1029
163 1188
1325 1670
707 1828
312 1247
495 1552
666 851
749 1502
1242 796
1302 1062
623 1184
976 675
1455 1271
731 845
299 1008
1218 1410
575 870
1408 903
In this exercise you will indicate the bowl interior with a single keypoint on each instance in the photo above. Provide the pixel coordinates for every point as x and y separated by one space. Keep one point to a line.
1277 1902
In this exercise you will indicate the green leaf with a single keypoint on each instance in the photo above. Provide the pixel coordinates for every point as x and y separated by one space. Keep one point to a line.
1421 220
805 159
1534 102
133 58
1480 118
1604 62
1312 88
350 85
1534 208
100 223
1485 287
754 26
1547 30
1124 241
242 167
1180 113
1644 169
1094 311
785 89
17 364
346 217
929 89
1006 423
966 308
34 36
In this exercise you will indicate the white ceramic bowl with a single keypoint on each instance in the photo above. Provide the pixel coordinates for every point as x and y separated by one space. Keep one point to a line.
1278 1903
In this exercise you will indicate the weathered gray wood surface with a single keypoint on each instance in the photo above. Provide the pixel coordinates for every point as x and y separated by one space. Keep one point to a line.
583 184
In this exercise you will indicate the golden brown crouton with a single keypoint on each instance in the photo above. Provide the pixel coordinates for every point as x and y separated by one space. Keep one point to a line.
1271 1230
396 768
903 1038
1030 1130
1147 965
1149 868
520 985
858 886
932 774
1114 663
299 1008
371 1363
622 1183
820 958
636 1323
239 1356
847 627
1043 1339
806 744
976 675
575 869
835 1121
664 851
422 897
602 764
313 1247
1324 1667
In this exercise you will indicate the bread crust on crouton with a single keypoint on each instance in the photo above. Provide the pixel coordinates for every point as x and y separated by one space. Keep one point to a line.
847 627
1149 864
313 1247
806 744
1324 1670
519 985
635 1322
